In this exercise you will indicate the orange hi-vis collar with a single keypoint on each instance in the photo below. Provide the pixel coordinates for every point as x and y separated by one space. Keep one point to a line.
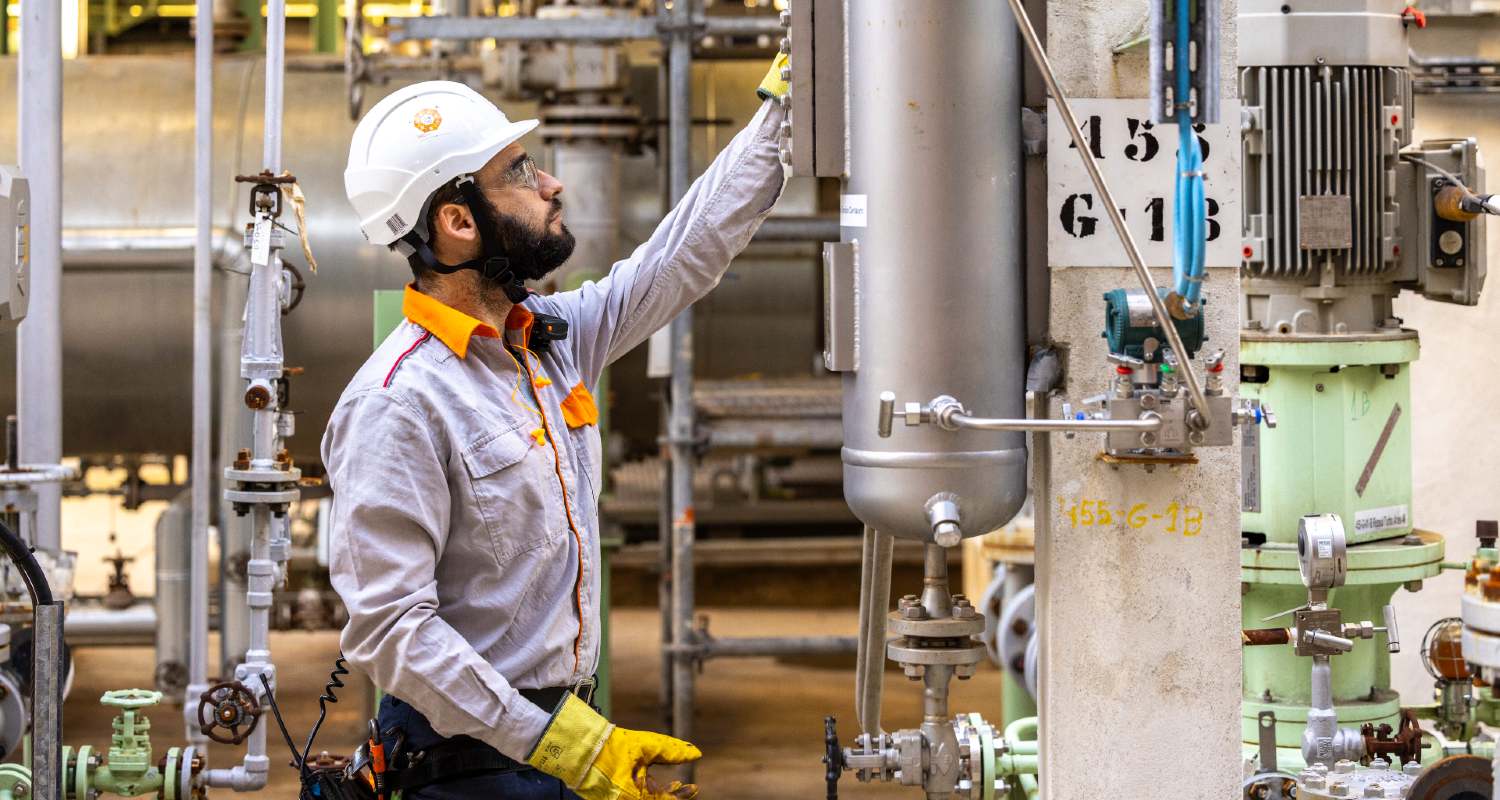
454 328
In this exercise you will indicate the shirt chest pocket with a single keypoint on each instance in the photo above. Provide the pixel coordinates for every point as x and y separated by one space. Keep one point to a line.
516 491
581 415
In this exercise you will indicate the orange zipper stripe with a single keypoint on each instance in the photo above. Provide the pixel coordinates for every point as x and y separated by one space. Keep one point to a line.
567 510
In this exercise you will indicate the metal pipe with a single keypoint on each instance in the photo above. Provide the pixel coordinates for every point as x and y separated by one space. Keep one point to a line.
201 459
151 249
39 339
1145 424
262 361
798 229
862 655
104 627
752 646
870 679
1041 494
602 29
47 668
681 424
1116 217
936 599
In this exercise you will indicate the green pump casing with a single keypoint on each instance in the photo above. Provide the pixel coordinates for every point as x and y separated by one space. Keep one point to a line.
1129 322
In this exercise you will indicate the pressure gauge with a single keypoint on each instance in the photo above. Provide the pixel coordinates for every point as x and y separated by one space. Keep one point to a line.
1321 550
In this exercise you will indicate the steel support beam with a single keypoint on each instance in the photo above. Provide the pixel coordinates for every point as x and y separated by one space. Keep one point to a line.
600 30
39 340
680 423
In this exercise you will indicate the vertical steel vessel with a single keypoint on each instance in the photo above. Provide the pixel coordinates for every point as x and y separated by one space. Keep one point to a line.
931 206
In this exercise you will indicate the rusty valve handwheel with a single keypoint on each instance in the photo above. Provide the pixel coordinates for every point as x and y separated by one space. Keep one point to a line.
228 712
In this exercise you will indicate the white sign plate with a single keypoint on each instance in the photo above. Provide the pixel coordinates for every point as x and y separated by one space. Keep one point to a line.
1139 161
852 210
1389 518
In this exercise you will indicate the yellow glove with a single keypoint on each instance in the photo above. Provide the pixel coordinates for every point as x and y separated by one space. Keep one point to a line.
602 762
773 85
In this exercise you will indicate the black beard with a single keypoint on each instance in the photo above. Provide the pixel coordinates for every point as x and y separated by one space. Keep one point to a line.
533 251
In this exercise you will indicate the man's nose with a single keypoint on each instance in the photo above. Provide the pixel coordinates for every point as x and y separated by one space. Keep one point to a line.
548 185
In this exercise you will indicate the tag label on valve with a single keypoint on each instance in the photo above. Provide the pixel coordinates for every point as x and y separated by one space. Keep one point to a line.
1139 161
260 242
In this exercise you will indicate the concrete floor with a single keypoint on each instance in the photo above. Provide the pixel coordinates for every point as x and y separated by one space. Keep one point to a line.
759 721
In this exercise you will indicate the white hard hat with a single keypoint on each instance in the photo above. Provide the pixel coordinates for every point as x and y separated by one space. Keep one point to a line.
411 143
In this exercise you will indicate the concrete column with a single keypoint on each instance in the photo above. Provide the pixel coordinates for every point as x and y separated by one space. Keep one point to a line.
1140 660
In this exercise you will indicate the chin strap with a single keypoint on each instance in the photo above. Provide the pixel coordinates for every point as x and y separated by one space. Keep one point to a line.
492 262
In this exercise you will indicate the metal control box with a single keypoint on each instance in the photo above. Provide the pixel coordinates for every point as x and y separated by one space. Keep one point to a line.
1443 259
15 247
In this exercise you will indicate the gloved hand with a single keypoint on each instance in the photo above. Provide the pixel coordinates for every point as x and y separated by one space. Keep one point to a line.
773 85
602 762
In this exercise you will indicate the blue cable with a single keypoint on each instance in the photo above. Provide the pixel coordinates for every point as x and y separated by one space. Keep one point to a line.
1190 209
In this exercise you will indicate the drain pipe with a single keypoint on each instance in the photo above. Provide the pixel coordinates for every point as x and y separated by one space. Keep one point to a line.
200 479
262 483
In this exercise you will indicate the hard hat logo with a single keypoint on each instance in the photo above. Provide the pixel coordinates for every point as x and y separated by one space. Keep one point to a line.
427 120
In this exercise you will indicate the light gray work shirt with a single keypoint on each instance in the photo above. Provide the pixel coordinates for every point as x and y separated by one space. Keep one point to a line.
465 524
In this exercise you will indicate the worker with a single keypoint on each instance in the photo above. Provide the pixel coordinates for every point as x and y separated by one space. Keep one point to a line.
465 456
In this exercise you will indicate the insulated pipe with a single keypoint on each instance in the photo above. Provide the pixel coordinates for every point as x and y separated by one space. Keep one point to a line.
680 422
175 539
39 339
590 169
201 460
94 626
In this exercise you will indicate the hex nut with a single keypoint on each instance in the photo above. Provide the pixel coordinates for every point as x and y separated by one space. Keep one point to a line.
914 671
913 414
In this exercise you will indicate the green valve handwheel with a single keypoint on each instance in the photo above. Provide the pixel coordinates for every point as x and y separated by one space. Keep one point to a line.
131 698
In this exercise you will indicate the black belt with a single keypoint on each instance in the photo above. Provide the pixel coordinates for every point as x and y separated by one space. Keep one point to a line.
463 757
549 698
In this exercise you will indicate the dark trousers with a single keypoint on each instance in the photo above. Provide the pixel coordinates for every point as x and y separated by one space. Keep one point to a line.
522 783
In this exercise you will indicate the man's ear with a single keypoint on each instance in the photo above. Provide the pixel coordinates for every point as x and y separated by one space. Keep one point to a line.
454 221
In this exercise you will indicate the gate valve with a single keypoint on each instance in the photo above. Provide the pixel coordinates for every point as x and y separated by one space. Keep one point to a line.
833 757
228 707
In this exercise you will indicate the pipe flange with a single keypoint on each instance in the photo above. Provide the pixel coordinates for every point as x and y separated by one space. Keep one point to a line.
270 475
1015 630
15 713
15 780
940 628
189 775
902 651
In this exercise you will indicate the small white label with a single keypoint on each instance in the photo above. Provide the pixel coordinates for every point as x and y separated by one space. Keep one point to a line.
1325 548
1381 519
852 210
260 242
